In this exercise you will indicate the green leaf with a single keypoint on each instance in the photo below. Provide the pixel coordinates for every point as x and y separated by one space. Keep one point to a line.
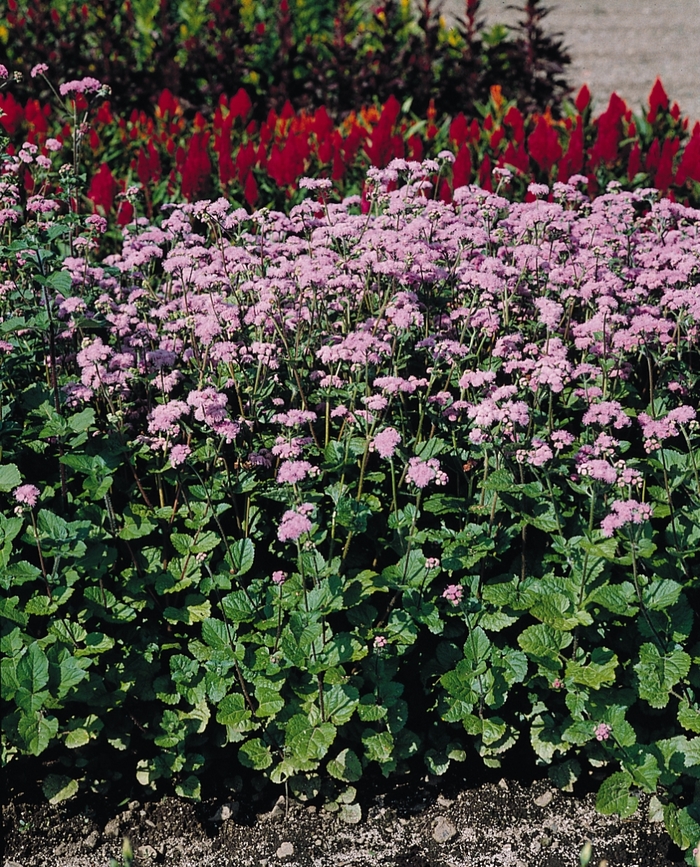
659 674
238 607
255 754
600 671
61 281
58 787
270 702
689 717
308 741
52 526
82 421
72 673
682 828
232 711
644 769
339 703
500 480
190 787
37 731
543 643
9 477
215 633
618 598
351 814
345 766
77 738
662 593
614 796
33 669
242 556
378 746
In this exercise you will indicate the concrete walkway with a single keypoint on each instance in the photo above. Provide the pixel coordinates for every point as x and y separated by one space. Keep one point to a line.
621 45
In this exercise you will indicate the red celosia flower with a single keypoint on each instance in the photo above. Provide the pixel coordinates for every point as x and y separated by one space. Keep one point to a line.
459 129
251 190
664 172
514 119
485 174
11 113
196 168
383 147
462 168
657 100
240 104
102 189
583 99
516 157
543 144
572 161
605 149
635 162
690 161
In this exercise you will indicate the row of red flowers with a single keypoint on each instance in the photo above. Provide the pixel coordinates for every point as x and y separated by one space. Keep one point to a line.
173 157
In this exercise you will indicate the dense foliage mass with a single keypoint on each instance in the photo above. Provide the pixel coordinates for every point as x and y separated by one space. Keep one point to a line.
342 55
354 488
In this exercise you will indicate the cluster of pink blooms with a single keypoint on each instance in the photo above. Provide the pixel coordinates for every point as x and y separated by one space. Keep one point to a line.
26 494
422 473
656 430
294 332
453 593
602 732
386 442
295 522
80 85
625 512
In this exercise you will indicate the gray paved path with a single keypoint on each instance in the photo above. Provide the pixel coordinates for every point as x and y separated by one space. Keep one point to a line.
623 45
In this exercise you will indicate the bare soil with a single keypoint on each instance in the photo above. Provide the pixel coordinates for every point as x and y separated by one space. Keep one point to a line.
504 823
621 45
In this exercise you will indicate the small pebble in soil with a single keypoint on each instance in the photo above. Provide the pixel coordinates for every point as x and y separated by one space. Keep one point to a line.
443 830
92 840
112 828
286 850
544 799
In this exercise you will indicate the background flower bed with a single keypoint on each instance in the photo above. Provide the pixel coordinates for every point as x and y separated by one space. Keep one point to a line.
172 159
342 54
267 469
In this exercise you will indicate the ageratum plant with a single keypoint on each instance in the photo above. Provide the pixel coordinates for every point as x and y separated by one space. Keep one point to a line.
319 494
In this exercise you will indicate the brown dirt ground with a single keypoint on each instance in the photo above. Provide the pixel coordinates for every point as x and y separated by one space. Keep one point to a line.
621 45
497 824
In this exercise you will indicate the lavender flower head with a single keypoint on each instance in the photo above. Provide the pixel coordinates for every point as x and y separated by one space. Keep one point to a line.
26 494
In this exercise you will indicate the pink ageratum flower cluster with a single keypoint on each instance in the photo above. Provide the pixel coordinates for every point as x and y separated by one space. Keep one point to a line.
421 473
81 85
625 512
453 593
602 732
26 494
297 332
295 522
656 430
386 442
